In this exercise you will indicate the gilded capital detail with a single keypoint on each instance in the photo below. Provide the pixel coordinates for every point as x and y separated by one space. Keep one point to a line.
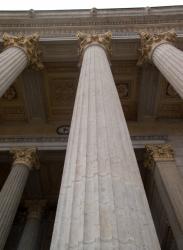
158 152
25 156
102 39
29 44
150 41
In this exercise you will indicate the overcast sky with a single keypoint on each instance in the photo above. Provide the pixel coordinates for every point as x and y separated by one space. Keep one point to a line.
81 4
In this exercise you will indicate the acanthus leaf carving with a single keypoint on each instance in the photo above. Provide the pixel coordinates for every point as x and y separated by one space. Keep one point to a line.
102 39
25 156
158 152
29 44
150 41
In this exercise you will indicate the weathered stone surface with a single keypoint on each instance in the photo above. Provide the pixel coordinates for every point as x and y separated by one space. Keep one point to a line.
102 203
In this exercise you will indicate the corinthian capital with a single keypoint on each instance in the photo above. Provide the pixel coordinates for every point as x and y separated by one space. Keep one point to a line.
158 152
150 41
25 156
29 44
104 40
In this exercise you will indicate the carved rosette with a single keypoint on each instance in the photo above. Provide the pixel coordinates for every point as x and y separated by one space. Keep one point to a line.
35 208
150 41
25 156
104 40
158 152
29 44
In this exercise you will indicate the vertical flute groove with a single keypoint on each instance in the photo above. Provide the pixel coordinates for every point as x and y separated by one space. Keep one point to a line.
169 60
104 182
10 196
12 62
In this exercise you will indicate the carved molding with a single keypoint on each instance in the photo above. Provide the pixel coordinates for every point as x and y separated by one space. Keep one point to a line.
60 142
158 152
103 40
25 156
122 22
150 41
64 138
29 44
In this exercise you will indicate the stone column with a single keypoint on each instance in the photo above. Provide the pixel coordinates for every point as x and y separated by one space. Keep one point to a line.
102 203
169 181
159 49
29 239
11 193
19 52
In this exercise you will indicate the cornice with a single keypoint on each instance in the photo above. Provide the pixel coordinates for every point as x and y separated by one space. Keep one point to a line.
69 22
60 142
61 27
162 10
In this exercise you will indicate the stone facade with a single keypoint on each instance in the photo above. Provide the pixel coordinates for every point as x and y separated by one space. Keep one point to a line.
94 53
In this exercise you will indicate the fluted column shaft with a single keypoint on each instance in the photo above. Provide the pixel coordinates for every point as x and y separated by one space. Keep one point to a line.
102 203
29 239
169 60
169 182
20 51
158 49
12 62
10 196
11 193
30 235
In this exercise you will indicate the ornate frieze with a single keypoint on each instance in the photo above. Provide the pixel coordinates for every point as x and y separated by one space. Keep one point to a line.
29 44
64 24
158 152
25 156
150 41
103 40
